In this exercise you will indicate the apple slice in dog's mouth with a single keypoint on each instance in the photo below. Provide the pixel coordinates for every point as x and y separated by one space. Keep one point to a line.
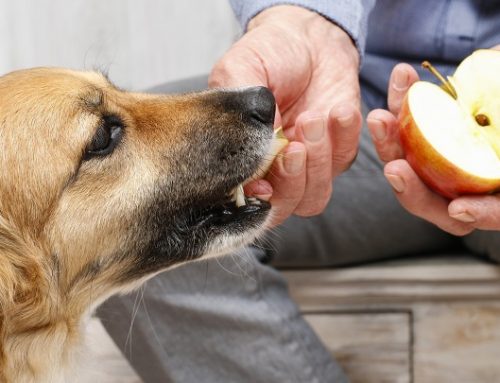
278 142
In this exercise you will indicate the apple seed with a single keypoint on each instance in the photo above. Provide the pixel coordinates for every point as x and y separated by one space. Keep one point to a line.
482 119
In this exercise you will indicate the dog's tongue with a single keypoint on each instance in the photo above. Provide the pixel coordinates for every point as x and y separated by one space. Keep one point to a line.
277 144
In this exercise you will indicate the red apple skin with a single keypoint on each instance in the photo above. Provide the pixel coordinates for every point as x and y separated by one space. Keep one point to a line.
437 172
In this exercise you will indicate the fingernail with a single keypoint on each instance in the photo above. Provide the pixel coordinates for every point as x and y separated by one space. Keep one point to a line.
345 120
400 80
396 182
294 161
263 197
464 217
314 129
378 130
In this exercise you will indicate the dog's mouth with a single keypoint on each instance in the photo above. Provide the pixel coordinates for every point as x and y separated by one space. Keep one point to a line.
234 207
278 142
232 211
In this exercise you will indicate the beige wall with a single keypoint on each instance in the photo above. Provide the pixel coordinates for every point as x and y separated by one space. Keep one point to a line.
140 42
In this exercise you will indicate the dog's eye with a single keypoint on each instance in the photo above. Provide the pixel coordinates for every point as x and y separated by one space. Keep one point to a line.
106 138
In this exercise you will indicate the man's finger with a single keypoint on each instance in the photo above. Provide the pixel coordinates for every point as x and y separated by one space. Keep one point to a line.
482 212
260 189
420 200
384 130
312 131
288 179
402 77
344 126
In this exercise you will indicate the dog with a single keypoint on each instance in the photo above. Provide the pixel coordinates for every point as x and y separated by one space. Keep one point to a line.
101 189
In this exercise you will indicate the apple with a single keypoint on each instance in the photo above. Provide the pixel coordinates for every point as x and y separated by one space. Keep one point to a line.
278 143
451 133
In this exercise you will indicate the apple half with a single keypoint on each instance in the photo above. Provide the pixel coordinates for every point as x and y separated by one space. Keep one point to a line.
451 134
278 143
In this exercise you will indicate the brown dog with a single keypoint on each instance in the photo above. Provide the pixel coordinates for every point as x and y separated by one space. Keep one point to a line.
100 189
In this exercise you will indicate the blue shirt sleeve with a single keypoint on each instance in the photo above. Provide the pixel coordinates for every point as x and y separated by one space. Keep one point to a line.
350 15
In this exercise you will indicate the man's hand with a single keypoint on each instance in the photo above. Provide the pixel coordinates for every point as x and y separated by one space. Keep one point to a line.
459 216
311 66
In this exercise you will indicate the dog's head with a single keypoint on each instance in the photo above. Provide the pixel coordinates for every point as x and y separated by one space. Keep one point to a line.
101 188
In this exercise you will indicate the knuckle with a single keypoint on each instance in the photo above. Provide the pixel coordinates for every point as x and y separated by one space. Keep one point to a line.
344 160
318 164
417 210
214 80
307 211
220 70
417 204
313 207
386 154
392 153
458 229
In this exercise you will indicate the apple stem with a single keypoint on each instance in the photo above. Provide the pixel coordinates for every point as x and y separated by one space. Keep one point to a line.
447 85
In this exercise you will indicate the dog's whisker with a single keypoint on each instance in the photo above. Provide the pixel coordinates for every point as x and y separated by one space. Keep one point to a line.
153 329
206 275
135 309
236 260
224 268
246 261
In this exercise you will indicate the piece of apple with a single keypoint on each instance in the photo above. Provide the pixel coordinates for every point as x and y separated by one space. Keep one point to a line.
451 134
278 143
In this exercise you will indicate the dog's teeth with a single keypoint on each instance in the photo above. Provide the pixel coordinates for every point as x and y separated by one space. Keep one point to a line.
254 201
239 196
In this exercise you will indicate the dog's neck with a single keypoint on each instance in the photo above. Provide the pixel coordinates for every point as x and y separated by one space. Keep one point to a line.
37 334
37 342
39 354
42 332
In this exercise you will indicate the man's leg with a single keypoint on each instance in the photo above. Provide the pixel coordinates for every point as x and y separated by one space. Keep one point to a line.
215 321
484 243
232 320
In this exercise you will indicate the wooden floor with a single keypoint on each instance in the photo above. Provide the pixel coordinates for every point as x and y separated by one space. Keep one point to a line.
108 364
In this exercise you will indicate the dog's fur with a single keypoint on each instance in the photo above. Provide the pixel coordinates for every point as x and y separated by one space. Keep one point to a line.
79 222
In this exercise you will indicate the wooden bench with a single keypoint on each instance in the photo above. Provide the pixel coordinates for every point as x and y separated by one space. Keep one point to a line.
429 320
419 321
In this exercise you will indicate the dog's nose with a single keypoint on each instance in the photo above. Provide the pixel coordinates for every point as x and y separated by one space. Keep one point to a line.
260 103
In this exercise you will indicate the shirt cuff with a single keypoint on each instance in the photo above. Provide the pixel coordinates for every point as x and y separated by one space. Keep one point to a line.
350 15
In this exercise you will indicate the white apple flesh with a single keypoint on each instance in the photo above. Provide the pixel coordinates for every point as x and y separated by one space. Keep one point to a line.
453 144
278 143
